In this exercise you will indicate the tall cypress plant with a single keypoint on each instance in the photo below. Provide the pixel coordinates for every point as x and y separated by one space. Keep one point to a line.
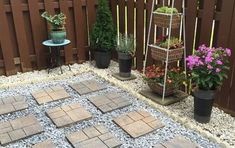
103 34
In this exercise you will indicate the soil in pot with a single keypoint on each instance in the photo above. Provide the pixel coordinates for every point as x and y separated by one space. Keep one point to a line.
102 59
125 64
58 36
203 103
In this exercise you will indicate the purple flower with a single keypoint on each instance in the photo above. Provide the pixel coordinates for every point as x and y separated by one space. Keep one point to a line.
208 59
228 51
209 67
217 70
219 62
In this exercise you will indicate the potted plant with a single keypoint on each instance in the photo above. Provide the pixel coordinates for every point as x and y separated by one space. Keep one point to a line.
103 35
154 76
57 22
162 17
126 51
208 68
160 48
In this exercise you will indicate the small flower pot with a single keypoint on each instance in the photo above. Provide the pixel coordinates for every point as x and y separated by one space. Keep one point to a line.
158 88
203 102
125 64
159 53
58 37
163 20
102 59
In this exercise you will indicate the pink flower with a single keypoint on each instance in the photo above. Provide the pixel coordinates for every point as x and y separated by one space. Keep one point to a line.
208 59
228 51
219 62
217 70
209 67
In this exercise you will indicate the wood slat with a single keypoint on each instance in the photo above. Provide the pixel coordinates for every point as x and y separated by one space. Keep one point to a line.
139 33
122 16
113 7
80 30
68 49
21 35
38 36
191 14
205 23
130 17
6 45
91 9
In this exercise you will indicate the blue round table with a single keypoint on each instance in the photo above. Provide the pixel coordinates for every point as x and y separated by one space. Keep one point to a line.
54 50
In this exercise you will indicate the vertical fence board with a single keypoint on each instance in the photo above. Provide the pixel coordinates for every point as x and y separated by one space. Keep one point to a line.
130 17
80 30
64 8
191 14
21 35
139 33
91 13
206 22
113 6
122 15
38 36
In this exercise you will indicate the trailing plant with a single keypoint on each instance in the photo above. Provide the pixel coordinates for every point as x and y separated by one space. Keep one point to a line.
126 44
174 42
57 21
156 74
167 10
103 34
209 66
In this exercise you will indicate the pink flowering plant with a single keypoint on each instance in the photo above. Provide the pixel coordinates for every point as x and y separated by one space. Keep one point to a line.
209 66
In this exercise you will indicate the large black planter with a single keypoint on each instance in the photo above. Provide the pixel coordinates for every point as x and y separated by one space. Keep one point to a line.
125 64
203 102
102 59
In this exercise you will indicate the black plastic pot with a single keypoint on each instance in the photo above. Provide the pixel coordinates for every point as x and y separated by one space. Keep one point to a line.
125 63
102 59
203 102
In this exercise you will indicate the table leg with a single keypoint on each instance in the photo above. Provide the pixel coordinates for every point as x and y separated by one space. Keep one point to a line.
59 59
50 60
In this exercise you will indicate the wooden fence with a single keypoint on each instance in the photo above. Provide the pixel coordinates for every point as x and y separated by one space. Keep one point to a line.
22 30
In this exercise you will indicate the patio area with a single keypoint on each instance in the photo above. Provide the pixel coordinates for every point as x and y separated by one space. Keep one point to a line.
72 113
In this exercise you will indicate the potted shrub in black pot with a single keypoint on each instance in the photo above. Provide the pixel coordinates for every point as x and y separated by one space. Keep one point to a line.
126 51
103 35
57 22
208 68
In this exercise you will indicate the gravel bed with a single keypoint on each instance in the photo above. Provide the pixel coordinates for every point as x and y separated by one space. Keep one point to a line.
170 130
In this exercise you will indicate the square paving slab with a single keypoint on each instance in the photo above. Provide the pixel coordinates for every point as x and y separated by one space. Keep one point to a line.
68 114
109 102
12 104
178 96
88 86
50 94
93 137
44 144
138 123
177 142
117 76
19 128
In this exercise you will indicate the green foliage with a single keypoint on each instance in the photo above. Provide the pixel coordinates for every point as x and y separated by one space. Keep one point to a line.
167 10
57 21
103 34
174 43
126 44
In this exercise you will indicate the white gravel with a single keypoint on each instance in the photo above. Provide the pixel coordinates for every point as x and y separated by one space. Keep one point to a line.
221 128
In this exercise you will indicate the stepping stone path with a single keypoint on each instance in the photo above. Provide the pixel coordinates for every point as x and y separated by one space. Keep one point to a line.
45 144
96 136
177 142
19 128
12 104
109 102
138 123
68 114
86 87
50 94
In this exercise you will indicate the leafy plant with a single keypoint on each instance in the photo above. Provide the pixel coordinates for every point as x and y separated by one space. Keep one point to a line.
103 34
209 66
126 44
174 42
57 21
156 74
167 10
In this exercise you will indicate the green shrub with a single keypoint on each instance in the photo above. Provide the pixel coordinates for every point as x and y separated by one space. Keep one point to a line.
126 44
103 34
